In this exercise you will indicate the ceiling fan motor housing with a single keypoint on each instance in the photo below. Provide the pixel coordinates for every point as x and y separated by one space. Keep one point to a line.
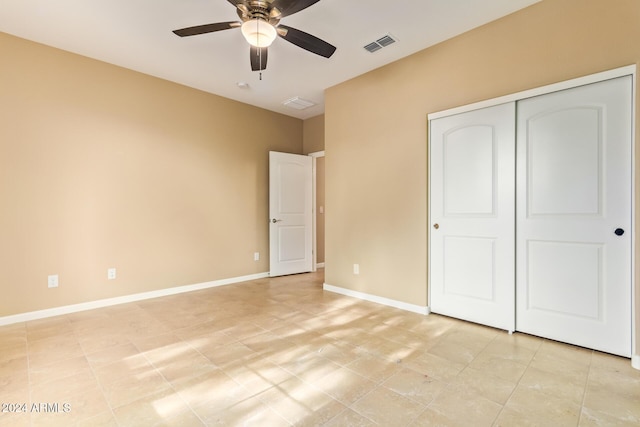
259 9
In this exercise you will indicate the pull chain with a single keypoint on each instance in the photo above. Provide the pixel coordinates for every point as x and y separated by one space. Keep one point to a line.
260 54
259 51
260 59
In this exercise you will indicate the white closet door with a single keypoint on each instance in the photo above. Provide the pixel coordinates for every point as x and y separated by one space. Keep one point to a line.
472 215
574 198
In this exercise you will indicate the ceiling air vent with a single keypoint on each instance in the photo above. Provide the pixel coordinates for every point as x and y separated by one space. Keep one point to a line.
380 43
386 40
298 103
372 47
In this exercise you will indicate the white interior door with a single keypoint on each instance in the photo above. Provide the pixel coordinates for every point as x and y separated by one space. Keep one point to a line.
472 191
574 198
290 213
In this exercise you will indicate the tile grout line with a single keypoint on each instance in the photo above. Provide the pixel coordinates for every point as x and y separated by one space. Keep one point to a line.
502 405
95 377
171 386
26 338
518 383
586 384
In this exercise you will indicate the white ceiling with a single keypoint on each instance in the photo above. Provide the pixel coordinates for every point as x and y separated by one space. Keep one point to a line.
136 34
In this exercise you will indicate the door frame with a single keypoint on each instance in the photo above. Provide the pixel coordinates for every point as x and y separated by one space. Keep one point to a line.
314 157
630 70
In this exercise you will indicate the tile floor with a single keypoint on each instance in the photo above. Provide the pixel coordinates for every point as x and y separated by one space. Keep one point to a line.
278 352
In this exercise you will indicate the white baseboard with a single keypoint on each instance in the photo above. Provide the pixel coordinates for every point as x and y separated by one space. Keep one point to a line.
320 265
635 361
378 300
67 309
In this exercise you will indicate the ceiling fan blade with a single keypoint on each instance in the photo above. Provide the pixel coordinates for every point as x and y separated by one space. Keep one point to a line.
207 28
258 57
289 7
306 41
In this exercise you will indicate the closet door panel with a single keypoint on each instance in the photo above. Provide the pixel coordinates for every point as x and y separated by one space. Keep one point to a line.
574 192
472 213
565 162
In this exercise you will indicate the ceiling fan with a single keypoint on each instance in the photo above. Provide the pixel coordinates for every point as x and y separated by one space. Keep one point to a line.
260 25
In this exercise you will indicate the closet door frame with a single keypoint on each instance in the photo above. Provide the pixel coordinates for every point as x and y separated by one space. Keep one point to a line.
630 70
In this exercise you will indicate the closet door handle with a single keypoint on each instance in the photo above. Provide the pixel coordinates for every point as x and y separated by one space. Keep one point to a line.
619 231
436 226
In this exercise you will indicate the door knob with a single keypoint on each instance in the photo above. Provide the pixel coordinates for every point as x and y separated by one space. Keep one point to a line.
275 220
436 226
619 231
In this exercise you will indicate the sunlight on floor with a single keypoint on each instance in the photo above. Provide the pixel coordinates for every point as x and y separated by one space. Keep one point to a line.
278 352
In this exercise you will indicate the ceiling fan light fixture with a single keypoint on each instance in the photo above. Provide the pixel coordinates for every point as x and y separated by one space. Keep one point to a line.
258 32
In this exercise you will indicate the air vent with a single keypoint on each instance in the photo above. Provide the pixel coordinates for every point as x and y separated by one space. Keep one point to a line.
380 43
372 47
298 103
385 41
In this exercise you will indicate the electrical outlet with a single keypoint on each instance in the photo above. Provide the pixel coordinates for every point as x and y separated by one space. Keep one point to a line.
52 281
111 273
356 268
256 256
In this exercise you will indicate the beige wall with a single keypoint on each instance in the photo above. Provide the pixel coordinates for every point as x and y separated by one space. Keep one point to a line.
376 128
105 167
313 134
